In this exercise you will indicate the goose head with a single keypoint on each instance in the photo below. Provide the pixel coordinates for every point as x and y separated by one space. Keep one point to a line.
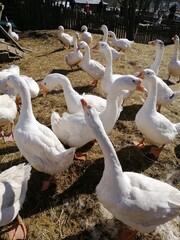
175 38
84 28
91 115
82 45
101 47
147 73
8 24
111 34
61 28
51 81
103 28
158 43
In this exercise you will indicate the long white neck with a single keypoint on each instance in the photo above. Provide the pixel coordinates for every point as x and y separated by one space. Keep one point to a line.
26 112
75 42
105 34
151 100
71 96
114 39
113 109
176 48
87 55
108 62
110 157
156 64
10 29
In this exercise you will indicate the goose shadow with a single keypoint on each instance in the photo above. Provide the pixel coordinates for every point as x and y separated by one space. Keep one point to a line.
64 71
9 149
168 82
49 53
129 112
177 151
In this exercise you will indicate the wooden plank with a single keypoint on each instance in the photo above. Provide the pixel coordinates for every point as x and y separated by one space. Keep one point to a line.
10 38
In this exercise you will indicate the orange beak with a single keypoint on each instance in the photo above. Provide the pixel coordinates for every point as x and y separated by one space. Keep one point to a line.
95 48
43 89
141 75
140 86
153 43
84 103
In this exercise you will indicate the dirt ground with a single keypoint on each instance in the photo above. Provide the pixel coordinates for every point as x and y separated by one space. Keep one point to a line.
70 209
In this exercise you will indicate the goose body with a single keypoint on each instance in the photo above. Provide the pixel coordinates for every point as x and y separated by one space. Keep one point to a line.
92 67
165 95
72 97
109 78
139 201
72 130
13 185
64 38
74 57
86 36
174 64
44 151
153 125
13 34
115 53
120 43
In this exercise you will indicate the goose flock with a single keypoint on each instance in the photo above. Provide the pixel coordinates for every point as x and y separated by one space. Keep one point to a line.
140 202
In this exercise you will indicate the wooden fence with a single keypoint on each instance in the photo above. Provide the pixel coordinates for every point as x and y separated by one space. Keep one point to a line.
34 15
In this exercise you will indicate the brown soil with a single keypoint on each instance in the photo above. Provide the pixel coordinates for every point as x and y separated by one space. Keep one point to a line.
70 209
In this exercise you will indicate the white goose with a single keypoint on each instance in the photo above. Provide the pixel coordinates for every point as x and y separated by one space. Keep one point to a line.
64 38
73 58
174 64
109 77
14 35
13 185
165 95
44 151
153 125
72 130
86 36
115 53
72 97
8 112
139 201
92 67
120 43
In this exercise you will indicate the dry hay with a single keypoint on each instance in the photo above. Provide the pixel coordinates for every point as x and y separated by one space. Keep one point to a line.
70 210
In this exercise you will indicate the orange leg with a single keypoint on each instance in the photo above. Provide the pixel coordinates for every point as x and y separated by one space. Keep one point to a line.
47 183
127 234
140 144
158 108
18 231
94 83
80 156
156 150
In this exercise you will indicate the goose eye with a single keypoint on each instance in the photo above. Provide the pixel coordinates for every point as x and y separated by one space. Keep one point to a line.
134 81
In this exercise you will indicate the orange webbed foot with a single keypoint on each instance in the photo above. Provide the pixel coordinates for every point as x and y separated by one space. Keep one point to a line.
127 234
18 231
